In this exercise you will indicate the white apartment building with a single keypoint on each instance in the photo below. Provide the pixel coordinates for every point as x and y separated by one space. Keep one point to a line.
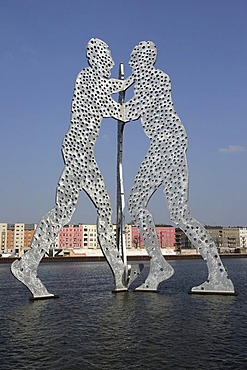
90 238
243 237
3 238
128 236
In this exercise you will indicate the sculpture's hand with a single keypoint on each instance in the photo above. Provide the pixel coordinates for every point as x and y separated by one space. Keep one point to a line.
131 110
120 85
128 82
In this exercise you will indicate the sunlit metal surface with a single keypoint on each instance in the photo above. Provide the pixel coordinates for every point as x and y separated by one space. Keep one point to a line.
91 102
165 164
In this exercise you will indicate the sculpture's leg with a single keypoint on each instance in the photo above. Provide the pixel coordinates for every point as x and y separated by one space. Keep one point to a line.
147 180
97 192
218 281
109 248
25 269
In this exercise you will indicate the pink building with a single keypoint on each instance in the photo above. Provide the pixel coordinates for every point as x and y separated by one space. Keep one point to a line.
166 236
70 236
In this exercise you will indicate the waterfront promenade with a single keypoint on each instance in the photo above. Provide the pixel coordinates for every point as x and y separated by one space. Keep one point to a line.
131 257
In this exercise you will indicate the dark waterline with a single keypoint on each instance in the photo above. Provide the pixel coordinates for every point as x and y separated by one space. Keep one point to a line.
89 327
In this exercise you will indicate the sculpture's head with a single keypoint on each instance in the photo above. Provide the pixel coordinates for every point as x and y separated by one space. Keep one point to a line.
143 55
99 57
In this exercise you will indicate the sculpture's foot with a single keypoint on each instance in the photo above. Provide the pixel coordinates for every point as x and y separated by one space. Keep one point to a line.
120 276
155 277
224 286
144 288
120 290
49 296
23 272
127 276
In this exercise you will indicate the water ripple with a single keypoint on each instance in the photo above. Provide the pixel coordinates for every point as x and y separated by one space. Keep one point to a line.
89 327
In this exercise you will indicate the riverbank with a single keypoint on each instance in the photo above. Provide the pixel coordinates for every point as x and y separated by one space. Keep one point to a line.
130 258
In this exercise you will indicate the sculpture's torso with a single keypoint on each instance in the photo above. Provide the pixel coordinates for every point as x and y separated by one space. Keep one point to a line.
159 118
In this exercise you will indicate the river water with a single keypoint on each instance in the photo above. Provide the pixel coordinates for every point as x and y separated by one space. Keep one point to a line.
89 327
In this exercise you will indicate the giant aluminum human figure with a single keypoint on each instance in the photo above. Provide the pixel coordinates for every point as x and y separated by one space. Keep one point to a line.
165 163
91 102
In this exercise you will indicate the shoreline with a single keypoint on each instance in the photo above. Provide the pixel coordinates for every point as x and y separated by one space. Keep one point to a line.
130 258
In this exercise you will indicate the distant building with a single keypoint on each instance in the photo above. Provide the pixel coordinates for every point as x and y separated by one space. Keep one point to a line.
29 230
128 236
227 239
181 240
243 237
166 236
165 233
231 239
3 238
216 232
90 237
136 239
17 238
70 236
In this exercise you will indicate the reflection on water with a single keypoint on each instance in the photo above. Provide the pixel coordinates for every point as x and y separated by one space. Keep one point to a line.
89 327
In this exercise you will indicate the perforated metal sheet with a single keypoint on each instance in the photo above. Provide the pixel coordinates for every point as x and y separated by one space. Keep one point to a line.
165 164
91 102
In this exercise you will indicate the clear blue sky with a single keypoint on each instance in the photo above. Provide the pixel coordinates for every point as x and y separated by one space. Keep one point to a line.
202 45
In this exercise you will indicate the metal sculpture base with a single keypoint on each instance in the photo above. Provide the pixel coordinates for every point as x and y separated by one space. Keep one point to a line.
37 298
133 271
212 292
221 286
120 290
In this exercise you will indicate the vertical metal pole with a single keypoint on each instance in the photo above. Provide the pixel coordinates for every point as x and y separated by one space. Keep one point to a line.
120 227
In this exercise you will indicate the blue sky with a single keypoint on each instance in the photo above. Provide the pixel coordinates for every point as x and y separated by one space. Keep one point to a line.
202 45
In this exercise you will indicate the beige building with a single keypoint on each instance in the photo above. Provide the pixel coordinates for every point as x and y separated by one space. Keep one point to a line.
18 237
227 239
15 238
231 239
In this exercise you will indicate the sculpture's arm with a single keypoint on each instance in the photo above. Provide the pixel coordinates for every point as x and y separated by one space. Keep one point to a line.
132 110
120 85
